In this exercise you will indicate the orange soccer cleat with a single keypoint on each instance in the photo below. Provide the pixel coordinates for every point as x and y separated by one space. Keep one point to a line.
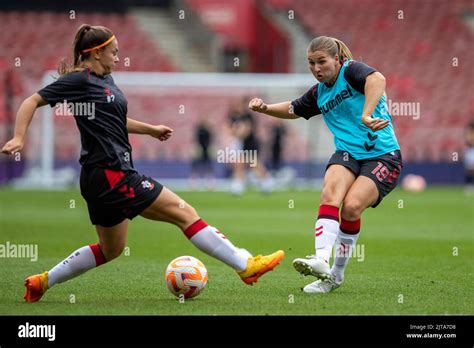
36 285
259 265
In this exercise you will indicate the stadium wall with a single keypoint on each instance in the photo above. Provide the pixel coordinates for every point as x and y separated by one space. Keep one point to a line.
435 173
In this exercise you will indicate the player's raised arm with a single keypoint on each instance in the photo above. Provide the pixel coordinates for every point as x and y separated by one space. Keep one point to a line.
305 106
374 89
280 110
160 132
23 119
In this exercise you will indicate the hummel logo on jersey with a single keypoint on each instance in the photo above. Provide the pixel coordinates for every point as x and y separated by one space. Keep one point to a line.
372 137
346 93
368 147
148 185
110 96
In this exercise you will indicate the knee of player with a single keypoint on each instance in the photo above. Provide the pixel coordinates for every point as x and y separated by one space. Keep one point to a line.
187 216
328 197
192 214
112 252
352 208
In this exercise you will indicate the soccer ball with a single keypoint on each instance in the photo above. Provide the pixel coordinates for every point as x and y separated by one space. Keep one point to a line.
186 276
413 183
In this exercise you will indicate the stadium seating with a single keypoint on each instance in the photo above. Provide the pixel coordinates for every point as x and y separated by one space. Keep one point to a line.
41 37
415 53
36 41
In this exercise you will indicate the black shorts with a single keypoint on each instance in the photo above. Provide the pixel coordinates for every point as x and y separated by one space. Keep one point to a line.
383 170
114 195
251 143
469 177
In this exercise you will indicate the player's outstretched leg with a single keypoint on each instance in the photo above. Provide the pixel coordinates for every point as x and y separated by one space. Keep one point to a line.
171 208
111 244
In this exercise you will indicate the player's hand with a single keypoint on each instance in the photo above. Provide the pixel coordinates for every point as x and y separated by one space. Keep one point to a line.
257 105
375 124
14 145
161 132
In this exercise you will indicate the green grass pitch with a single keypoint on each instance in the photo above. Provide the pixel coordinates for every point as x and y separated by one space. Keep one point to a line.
418 257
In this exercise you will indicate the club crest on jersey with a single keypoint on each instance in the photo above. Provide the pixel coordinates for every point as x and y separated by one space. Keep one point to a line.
110 95
148 185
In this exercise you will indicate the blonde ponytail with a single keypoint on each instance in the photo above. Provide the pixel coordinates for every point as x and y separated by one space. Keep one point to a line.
344 52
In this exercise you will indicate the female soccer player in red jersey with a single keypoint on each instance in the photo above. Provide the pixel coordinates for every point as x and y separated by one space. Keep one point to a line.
114 191
367 162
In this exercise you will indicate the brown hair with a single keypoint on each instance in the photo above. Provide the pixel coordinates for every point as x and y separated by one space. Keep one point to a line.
87 36
331 46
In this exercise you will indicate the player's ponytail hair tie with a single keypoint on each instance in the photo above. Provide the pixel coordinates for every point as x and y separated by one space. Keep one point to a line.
99 46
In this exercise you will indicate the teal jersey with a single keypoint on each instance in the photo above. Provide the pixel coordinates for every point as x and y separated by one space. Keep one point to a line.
341 105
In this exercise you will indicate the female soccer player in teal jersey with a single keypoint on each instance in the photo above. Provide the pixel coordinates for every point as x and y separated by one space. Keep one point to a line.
114 191
367 162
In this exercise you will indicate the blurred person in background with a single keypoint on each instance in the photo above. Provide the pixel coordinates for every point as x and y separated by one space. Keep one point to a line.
244 130
202 164
278 132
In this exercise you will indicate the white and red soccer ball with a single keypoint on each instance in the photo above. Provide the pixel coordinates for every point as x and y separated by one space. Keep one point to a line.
186 276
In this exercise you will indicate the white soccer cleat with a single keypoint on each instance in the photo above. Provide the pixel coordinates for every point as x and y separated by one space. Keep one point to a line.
313 265
322 286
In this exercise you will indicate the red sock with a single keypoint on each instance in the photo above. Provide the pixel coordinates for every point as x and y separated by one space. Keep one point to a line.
98 254
350 227
328 212
195 228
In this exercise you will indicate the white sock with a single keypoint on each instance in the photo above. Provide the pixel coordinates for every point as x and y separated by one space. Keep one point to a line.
325 233
215 244
345 244
80 261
